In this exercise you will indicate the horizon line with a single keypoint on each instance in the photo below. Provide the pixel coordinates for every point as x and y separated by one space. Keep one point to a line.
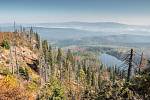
12 23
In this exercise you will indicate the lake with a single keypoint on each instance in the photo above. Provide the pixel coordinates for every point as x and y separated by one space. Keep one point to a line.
109 60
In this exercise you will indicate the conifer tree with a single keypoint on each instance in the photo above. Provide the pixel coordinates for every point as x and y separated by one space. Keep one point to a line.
84 66
88 76
78 71
82 76
45 49
50 56
44 55
93 79
59 55
99 81
31 35
69 56
37 40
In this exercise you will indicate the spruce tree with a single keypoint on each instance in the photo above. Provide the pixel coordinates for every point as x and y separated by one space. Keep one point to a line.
45 49
50 56
84 66
31 35
69 56
37 37
99 81
88 76
59 55
93 79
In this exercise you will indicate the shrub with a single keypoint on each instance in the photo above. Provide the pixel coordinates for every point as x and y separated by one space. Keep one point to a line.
24 72
10 89
5 44
142 85
117 91
32 86
52 91
4 71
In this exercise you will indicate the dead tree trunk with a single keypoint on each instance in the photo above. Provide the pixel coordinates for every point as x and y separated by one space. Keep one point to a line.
141 62
130 65
11 60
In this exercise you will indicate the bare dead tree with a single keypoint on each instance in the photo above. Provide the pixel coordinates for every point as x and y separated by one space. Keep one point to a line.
141 62
130 65
11 59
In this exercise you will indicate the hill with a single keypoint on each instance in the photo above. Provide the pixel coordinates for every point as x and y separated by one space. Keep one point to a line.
32 65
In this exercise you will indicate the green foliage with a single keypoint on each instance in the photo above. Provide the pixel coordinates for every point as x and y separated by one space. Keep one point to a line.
24 72
82 76
69 56
10 89
88 76
45 49
112 74
101 67
84 66
50 56
57 94
93 79
37 37
116 91
32 86
88 94
52 90
5 44
141 84
57 91
59 55
4 70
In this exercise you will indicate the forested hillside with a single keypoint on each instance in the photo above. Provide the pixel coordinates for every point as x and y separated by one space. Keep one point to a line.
32 69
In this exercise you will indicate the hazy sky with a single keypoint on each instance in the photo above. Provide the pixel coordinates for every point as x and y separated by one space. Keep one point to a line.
35 11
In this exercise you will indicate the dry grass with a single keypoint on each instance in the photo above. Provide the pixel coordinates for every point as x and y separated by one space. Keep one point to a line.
5 35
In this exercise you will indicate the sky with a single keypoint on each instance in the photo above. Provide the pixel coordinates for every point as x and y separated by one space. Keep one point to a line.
136 12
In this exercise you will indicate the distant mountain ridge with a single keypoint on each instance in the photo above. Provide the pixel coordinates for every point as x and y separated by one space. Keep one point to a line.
78 30
76 23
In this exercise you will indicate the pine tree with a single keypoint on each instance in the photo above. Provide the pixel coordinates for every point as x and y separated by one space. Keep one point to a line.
82 76
45 49
88 76
31 35
50 56
99 81
101 67
84 66
37 40
78 71
69 56
44 63
59 55
93 79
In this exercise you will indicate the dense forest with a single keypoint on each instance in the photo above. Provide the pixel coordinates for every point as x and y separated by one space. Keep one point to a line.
32 69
